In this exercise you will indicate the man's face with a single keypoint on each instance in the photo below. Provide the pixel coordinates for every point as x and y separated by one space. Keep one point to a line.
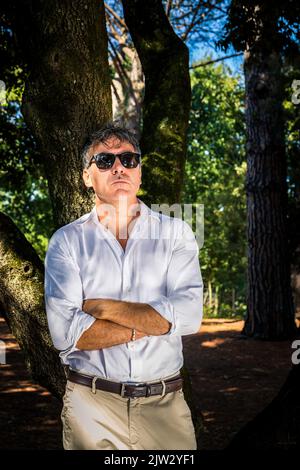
117 182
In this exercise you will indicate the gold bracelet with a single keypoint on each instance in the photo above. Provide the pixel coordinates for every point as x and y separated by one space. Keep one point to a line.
133 334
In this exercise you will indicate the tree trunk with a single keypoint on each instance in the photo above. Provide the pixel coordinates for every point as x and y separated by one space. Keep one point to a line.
67 93
233 301
216 301
128 94
167 100
210 300
270 311
22 305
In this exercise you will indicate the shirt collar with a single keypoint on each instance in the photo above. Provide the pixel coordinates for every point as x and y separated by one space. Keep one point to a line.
145 212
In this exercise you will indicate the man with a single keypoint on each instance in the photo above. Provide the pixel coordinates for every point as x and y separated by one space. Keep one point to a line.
122 285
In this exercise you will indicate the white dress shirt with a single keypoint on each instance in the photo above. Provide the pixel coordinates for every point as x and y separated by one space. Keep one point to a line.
159 267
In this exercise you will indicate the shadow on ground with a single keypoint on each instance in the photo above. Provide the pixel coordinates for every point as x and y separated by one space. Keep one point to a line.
233 378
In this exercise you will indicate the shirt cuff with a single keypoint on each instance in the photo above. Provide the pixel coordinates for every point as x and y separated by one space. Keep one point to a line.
166 310
80 323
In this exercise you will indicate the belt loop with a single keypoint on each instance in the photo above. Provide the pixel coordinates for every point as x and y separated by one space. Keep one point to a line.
123 390
164 388
66 370
94 384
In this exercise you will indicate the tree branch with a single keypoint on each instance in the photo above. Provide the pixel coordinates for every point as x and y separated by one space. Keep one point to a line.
169 7
116 16
203 64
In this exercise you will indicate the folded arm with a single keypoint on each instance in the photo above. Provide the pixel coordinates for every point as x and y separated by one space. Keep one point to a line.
140 316
105 334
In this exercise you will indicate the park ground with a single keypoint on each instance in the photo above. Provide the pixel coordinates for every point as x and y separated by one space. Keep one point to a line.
233 379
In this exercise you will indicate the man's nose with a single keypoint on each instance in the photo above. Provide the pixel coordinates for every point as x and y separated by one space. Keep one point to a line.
117 166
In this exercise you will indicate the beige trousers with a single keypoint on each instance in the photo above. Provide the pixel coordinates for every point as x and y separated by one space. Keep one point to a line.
107 421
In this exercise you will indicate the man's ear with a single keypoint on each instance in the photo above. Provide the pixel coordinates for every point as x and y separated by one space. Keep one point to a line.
87 178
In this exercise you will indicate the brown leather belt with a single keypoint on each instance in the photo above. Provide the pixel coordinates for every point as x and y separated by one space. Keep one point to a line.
127 390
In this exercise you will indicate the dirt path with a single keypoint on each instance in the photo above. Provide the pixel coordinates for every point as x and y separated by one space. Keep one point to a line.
232 378
29 415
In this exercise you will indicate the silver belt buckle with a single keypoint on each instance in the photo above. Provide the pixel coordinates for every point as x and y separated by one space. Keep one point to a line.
131 384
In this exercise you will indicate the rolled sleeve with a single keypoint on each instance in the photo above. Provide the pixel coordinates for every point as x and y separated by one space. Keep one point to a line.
63 297
183 304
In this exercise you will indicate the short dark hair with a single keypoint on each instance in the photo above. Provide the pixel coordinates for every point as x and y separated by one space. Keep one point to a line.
102 135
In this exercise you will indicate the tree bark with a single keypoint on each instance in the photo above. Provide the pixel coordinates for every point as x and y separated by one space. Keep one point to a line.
270 311
165 61
22 304
67 93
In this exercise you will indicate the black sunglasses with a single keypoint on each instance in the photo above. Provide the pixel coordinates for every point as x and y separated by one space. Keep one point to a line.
105 161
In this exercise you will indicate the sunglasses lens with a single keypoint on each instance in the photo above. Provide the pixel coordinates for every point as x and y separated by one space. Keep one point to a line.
130 159
104 161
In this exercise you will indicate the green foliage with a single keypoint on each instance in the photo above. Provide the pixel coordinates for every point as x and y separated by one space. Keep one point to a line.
215 174
23 186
